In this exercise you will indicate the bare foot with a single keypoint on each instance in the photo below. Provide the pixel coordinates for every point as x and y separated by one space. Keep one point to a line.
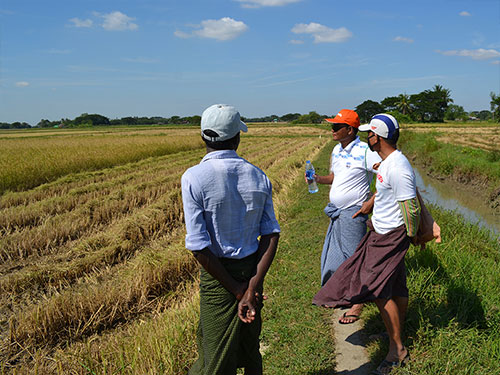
352 315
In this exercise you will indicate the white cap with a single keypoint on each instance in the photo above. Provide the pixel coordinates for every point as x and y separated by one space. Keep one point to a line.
382 124
222 119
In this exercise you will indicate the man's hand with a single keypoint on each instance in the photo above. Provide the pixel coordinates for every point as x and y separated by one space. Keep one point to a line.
436 232
248 305
240 290
366 207
323 179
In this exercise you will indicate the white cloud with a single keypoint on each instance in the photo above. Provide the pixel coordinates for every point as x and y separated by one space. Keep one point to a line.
55 51
403 39
117 21
6 12
464 14
296 41
140 60
77 22
497 62
476 54
22 84
224 29
321 33
182 34
265 3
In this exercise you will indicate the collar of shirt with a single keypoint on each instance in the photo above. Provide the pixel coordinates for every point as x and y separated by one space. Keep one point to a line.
220 154
350 146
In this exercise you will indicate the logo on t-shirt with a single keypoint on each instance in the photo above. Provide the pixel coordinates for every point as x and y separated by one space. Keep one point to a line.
379 177
348 164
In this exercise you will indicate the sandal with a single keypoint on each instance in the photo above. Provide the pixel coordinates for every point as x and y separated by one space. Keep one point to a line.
386 367
353 318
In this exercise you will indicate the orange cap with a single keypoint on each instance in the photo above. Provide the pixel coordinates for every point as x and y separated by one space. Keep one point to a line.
345 116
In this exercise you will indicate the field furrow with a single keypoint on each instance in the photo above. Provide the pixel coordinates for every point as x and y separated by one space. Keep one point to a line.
76 188
25 164
93 251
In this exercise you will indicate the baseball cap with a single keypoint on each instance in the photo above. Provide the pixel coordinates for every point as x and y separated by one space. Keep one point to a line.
382 124
345 116
223 121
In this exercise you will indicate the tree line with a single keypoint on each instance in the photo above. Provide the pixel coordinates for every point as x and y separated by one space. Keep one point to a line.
86 120
432 105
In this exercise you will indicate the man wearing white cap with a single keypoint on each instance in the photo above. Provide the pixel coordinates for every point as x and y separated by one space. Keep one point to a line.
227 206
376 272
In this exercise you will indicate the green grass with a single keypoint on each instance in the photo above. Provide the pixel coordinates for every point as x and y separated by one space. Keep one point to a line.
453 319
453 323
452 124
298 335
465 164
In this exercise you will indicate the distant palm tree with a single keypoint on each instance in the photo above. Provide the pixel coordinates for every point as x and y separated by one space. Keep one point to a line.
403 103
495 106
443 94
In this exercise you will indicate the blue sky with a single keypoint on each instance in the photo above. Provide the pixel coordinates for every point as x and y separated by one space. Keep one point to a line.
61 58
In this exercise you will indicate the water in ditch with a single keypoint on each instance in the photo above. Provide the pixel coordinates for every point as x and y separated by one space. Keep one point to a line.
453 196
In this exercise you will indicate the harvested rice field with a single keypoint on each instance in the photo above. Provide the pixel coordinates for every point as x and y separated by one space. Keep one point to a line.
92 243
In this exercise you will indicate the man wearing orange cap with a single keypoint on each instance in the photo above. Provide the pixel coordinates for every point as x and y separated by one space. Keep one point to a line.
351 173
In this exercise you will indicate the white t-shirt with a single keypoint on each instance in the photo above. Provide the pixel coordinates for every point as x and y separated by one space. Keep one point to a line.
352 174
395 183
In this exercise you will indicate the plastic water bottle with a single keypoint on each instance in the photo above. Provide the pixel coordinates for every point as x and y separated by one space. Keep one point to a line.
311 181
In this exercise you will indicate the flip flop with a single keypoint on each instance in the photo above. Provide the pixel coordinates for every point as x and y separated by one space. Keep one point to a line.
351 316
386 367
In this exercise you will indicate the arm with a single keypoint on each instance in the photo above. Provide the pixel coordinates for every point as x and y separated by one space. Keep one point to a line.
212 265
324 179
411 215
366 207
197 237
267 249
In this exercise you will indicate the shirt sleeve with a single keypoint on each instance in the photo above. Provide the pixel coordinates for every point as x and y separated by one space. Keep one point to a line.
372 158
403 183
268 222
197 236
410 209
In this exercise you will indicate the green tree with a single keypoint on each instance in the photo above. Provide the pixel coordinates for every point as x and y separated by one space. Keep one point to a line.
495 106
390 103
420 107
92 120
289 117
403 103
440 99
368 109
129 121
430 105
485 115
315 118
455 112
174 120
43 123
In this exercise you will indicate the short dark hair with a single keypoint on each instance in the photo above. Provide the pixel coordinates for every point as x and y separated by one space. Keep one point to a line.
394 139
228 144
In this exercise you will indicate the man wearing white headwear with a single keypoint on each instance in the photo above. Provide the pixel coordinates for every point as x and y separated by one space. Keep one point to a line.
227 207
376 272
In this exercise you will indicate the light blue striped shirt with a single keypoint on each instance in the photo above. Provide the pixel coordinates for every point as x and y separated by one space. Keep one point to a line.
227 205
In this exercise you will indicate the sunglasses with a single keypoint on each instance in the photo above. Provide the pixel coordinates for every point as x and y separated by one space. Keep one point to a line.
337 127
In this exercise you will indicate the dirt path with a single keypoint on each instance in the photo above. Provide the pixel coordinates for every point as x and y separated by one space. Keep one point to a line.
351 355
